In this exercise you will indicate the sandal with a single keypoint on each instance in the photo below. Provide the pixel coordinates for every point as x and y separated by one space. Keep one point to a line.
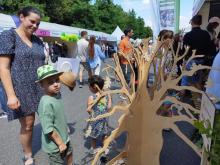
29 158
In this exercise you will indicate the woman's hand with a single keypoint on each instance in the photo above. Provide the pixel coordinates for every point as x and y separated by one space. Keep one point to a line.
13 103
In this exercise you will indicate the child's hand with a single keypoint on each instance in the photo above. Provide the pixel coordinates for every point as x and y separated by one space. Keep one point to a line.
62 147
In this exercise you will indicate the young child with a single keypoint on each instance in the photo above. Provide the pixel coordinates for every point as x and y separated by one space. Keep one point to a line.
99 128
55 139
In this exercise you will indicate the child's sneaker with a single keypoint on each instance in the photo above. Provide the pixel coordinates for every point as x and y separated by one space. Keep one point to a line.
107 151
3 115
80 84
123 97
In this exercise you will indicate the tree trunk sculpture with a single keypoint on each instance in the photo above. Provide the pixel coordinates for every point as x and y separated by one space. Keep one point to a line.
139 119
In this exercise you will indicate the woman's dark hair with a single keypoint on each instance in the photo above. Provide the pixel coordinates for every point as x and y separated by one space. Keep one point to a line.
27 10
161 34
127 30
211 26
197 19
96 80
165 34
91 48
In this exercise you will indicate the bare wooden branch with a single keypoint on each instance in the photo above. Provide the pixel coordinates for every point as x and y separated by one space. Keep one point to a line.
185 53
182 118
114 134
118 91
190 88
194 69
139 117
176 55
184 105
120 75
193 57
137 57
115 109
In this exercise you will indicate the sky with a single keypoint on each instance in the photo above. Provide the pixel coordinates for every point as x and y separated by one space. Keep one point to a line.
143 9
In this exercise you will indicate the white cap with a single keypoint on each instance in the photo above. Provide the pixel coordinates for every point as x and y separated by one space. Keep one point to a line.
214 19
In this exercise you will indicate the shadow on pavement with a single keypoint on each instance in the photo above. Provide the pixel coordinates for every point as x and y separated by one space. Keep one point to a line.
71 127
175 150
36 140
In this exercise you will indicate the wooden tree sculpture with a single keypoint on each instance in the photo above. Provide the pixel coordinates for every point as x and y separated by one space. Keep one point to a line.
139 118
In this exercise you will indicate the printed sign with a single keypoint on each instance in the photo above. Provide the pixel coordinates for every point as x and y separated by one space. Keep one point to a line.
207 115
43 33
55 34
68 65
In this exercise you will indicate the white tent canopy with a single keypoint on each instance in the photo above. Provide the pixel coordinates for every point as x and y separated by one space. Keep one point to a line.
117 33
197 6
6 22
52 29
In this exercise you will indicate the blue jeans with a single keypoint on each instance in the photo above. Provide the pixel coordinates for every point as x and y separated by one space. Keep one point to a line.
3 99
196 77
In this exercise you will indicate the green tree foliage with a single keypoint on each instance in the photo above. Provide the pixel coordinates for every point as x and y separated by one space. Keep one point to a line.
101 15
13 6
83 15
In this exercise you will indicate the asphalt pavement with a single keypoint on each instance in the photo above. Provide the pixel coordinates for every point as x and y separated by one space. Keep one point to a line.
174 151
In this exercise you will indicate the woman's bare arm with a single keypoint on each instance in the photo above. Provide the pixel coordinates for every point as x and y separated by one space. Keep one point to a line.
5 76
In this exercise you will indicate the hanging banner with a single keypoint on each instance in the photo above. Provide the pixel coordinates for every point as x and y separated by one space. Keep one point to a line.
43 33
55 33
167 14
197 6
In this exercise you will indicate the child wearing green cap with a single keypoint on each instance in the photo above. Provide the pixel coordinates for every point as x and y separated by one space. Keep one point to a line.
55 138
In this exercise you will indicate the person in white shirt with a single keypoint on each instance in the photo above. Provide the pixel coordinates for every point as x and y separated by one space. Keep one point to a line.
214 78
82 46
46 50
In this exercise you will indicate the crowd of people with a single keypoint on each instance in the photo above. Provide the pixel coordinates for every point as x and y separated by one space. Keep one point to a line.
204 41
32 86
90 55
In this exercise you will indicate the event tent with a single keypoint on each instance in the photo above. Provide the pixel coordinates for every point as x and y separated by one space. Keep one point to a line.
208 9
51 32
47 29
6 22
117 33
197 6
